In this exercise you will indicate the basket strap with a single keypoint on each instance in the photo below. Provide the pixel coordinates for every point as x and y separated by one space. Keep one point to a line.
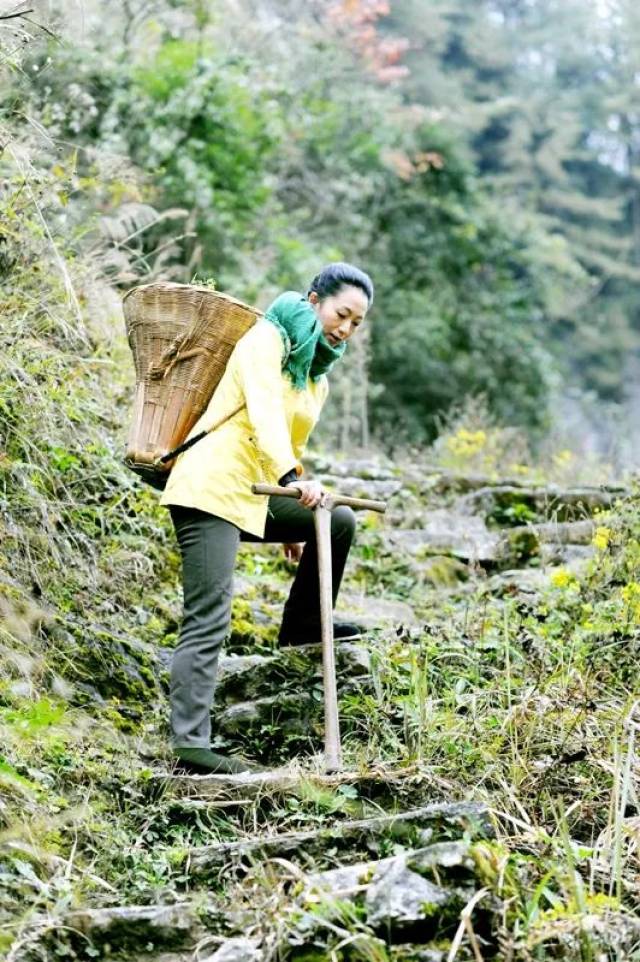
227 417
170 455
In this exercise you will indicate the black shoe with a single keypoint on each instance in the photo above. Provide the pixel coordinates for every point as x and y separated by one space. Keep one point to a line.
202 761
342 631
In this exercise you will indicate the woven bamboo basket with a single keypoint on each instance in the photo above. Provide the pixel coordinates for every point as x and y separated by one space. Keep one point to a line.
181 337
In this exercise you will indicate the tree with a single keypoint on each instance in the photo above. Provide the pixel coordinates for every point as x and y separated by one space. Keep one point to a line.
532 88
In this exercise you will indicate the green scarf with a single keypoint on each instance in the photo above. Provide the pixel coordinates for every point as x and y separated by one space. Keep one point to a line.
308 353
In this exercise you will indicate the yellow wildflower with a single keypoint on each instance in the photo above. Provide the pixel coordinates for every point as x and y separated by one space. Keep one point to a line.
467 443
631 592
562 458
601 538
563 578
631 597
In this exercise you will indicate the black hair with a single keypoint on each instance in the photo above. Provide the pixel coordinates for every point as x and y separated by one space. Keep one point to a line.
335 276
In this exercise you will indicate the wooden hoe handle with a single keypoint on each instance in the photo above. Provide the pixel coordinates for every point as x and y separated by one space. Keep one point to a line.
358 504
322 522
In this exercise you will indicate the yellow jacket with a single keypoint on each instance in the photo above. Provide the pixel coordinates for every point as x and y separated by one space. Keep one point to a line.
260 444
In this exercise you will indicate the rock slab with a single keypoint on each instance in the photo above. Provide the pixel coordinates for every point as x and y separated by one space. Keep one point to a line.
237 950
398 897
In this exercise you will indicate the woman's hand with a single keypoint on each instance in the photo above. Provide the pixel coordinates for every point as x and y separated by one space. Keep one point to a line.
293 552
311 492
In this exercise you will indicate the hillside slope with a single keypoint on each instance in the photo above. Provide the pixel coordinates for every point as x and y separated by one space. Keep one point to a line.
488 717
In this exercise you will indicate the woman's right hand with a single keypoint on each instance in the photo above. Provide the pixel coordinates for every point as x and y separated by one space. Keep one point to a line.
311 492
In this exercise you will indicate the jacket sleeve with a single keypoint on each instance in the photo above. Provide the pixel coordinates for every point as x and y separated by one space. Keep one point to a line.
259 369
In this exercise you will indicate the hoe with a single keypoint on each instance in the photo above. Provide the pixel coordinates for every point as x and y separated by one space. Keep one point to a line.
322 519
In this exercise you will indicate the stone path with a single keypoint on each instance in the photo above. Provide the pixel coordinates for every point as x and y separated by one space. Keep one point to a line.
433 876
404 870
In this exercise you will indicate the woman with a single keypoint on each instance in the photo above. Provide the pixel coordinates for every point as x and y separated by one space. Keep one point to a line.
278 369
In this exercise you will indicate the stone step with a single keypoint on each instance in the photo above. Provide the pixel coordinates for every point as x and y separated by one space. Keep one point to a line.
244 677
377 489
350 880
562 504
412 897
445 532
290 711
373 612
164 957
236 950
218 950
431 480
364 469
393 784
417 892
367 611
566 554
467 538
284 725
469 817
151 930
562 532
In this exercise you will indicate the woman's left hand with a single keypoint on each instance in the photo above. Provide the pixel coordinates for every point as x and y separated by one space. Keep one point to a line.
293 552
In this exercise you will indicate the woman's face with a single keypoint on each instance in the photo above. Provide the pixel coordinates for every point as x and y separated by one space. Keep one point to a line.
342 313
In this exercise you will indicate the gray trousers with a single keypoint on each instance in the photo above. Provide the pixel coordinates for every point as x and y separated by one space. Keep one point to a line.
208 546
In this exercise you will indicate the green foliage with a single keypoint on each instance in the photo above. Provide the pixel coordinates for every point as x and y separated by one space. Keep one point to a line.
191 120
280 175
461 306
173 68
537 96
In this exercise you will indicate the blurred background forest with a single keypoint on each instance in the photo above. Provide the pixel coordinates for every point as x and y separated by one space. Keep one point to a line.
481 160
